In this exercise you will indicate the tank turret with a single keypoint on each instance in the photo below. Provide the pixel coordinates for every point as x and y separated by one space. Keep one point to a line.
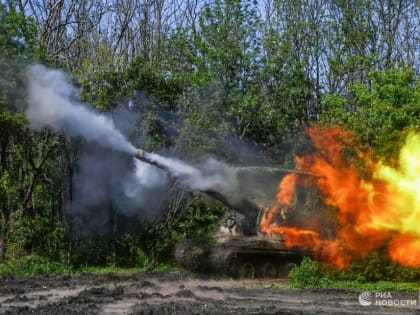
242 205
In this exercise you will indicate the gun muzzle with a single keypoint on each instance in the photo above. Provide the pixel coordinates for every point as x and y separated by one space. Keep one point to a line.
140 153
142 156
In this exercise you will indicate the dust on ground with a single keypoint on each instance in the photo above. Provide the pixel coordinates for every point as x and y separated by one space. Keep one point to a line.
176 293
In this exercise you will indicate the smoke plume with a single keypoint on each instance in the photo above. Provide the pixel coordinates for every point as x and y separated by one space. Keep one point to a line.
107 178
107 183
210 175
52 103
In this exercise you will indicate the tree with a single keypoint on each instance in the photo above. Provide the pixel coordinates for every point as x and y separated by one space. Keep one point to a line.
220 61
25 169
384 113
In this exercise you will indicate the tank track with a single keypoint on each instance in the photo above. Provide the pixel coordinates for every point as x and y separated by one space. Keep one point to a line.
234 261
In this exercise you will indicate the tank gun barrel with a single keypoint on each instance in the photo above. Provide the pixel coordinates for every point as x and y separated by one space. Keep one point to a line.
244 205
142 155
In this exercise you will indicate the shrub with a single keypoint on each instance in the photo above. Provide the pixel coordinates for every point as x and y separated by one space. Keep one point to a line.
32 265
308 275
376 267
374 272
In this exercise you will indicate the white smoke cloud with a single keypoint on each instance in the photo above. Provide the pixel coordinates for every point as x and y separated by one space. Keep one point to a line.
52 103
144 176
210 175
104 180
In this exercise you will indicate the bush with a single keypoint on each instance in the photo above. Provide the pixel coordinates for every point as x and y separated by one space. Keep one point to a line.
32 265
308 275
376 267
374 272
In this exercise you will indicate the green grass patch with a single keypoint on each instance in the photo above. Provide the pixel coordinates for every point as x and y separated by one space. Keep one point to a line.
107 269
312 274
33 265
162 267
165 267
36 265
376 286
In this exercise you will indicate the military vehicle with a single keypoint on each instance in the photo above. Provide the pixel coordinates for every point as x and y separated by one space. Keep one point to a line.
238 247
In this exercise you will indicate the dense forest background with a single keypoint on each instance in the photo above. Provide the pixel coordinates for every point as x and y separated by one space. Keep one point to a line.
239 80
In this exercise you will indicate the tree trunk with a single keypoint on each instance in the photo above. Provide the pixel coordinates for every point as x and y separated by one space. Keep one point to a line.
3 236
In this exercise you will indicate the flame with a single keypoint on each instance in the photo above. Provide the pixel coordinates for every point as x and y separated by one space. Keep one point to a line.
381 211
405 250
287 189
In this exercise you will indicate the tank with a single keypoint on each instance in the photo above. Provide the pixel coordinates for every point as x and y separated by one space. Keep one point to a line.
239 256
238 247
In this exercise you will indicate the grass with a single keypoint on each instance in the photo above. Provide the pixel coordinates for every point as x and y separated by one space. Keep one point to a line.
376 286
35 265
311 274
162 267
32 265
307 275
360 286
107 270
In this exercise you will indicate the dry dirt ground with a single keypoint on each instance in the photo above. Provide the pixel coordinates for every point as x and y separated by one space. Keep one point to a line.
175 293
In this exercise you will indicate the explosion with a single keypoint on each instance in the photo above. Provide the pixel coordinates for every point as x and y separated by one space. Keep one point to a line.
377 211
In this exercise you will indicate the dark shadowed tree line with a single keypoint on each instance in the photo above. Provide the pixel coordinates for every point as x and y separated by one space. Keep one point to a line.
196 77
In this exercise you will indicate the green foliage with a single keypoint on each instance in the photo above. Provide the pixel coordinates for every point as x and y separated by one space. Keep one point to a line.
118 250
227 43
197 222
308 275
32 265
17 33
36 265
107 89
381 115
377 286
126 252
290 90
225 55
149 79
106 270
200 221
369 286
374 272
377 267
165 267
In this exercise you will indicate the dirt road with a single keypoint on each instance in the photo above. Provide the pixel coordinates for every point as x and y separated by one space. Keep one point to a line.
173 293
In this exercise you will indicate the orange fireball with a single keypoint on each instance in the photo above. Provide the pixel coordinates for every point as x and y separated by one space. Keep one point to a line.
383 210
